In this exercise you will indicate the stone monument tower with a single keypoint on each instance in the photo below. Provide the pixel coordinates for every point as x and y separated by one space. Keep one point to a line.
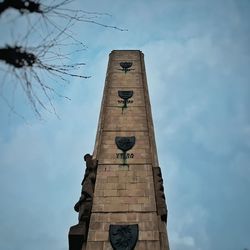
122 204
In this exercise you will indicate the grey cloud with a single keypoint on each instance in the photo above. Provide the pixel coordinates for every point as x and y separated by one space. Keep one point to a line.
197 61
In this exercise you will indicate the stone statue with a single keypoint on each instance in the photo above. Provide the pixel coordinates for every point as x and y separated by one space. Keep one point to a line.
88 185
159 194
78 233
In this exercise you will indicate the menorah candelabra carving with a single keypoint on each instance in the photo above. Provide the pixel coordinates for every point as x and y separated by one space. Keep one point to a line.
126 66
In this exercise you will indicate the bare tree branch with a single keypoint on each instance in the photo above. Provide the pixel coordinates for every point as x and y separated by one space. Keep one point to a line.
35 67
23 6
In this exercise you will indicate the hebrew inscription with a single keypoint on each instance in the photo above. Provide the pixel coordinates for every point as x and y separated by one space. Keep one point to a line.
127 156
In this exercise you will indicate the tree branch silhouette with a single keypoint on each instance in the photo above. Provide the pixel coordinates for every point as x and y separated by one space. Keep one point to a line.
31 65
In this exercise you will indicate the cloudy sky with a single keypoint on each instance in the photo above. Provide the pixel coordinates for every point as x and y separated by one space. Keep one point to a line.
197 57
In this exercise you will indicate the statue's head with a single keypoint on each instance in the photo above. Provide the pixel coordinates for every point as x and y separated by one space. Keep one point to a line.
87 156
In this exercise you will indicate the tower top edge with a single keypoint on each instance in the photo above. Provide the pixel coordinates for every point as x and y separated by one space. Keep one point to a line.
126 50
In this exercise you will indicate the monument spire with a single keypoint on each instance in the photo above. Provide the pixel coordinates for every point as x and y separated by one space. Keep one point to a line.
122 202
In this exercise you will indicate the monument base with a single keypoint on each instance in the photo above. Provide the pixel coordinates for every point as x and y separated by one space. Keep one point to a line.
77 236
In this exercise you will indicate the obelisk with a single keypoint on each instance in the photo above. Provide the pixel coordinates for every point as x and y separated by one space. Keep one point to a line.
122 203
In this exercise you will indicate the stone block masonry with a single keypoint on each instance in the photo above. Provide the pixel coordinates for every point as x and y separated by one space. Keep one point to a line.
128 191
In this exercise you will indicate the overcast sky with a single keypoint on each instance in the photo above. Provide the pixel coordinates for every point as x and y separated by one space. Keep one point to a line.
197 57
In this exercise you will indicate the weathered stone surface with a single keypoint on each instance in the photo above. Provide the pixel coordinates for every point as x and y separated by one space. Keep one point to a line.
128 189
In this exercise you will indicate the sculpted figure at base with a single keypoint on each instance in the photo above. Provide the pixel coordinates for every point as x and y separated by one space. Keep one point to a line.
159 194
78 233
88 186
